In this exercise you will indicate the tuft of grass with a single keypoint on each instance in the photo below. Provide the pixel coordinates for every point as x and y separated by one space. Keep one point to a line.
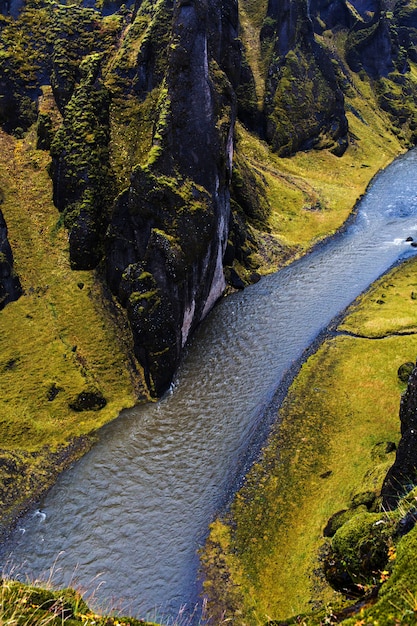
29 605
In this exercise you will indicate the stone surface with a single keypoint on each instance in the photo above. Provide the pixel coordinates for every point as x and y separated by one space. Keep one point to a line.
403 473
10 288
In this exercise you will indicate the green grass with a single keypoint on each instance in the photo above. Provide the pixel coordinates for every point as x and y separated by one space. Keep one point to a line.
61 337
343 403
312 193
30 605
390 306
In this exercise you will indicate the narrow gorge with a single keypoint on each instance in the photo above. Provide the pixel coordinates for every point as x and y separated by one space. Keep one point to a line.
154 157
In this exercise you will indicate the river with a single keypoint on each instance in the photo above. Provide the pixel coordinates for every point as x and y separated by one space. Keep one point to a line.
125 523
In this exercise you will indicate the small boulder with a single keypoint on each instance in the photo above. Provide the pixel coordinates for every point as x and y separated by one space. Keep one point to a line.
88 401
404 371
366 498
337 520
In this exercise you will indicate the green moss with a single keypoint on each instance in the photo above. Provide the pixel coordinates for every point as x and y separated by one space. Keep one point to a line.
137 297
362 543
132 123
397 95
248 189
302 99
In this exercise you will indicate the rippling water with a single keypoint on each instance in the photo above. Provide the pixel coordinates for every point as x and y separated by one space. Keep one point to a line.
128 519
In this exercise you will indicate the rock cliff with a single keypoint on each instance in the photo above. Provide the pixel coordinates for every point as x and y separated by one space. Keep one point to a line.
147 174
168 231
10 288
402 475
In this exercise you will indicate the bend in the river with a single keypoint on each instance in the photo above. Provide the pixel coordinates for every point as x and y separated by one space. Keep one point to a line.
131 515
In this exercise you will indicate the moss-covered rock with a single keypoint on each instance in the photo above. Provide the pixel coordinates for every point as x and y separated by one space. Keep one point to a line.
304 104
370 46
359 552
404 371
81 168
402 476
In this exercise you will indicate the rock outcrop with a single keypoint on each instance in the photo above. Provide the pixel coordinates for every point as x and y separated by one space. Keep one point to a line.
10 288
169 230
403 473
304 104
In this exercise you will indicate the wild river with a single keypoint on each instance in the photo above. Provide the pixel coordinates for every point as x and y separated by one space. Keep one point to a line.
126 522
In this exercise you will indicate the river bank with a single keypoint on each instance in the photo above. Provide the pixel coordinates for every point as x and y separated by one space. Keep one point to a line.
336 439
62 337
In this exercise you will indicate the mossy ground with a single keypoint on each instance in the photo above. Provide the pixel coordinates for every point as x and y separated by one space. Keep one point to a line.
60 338
344 403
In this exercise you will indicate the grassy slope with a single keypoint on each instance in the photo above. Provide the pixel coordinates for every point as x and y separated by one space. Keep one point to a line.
58 335
312 193
342 404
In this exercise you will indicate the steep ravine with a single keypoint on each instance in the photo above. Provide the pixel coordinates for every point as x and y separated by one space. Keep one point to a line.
147 174
165 469
183 162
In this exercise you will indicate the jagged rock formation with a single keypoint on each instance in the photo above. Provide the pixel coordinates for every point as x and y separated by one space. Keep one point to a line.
169 231
10 288
145 169
403 473
300 72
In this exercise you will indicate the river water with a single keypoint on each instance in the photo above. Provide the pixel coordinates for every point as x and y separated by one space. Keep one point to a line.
125 523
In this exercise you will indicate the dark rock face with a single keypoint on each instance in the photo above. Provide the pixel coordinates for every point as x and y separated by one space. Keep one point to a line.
403 473
329 15
168 232
304 105
88 401
10 288
371 47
